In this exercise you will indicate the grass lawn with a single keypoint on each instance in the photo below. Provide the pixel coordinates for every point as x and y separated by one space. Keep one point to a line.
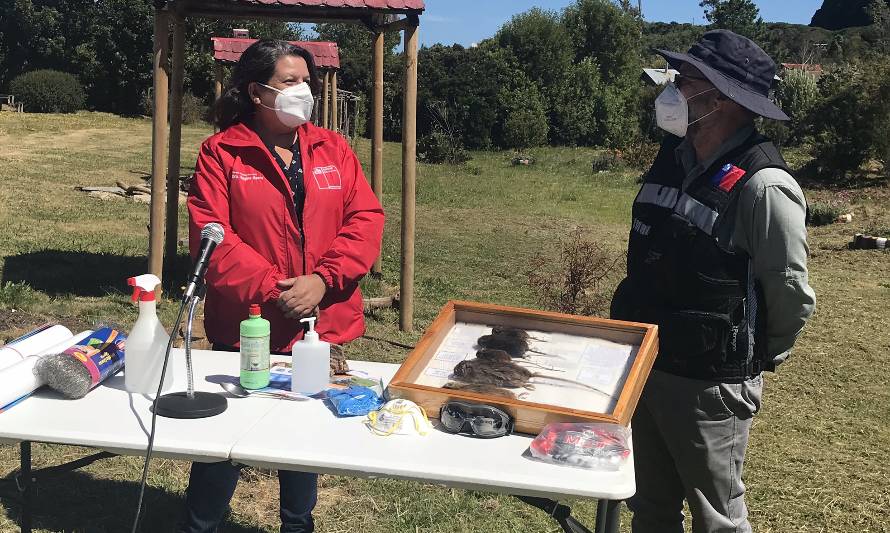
817 457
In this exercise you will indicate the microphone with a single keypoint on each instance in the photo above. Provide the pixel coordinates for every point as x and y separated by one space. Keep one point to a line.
211 235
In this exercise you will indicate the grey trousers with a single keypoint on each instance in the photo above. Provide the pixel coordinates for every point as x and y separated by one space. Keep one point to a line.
689 443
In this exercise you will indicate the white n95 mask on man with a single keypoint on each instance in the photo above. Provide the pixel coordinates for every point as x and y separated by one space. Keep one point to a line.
672 110
293 106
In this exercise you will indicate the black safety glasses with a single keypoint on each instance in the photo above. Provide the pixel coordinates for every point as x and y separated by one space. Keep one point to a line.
478 420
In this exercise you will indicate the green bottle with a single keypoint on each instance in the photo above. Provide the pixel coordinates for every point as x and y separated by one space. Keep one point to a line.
255 350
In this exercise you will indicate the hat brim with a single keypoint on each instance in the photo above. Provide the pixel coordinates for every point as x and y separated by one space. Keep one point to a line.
750 100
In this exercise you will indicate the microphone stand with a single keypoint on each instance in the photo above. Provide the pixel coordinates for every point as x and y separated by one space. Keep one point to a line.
189 404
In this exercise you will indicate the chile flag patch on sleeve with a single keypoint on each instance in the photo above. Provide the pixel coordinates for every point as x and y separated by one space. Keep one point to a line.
727 177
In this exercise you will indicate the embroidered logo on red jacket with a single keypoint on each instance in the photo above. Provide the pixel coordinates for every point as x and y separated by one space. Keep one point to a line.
727 177
328 178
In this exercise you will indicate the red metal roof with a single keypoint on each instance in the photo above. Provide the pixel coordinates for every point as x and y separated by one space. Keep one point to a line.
229 49
371 4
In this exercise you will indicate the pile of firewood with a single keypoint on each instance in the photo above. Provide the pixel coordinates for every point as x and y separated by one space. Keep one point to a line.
140 193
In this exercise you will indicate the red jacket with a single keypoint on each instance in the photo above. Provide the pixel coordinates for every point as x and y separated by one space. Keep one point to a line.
238 184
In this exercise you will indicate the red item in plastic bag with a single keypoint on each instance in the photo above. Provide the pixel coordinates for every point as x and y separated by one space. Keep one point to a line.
593 446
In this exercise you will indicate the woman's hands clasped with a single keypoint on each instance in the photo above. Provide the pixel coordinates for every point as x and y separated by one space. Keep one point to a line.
301 295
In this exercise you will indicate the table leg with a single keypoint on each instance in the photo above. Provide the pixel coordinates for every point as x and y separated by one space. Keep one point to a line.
608 516
25 485
562 514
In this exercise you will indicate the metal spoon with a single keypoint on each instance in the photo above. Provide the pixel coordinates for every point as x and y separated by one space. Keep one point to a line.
237 390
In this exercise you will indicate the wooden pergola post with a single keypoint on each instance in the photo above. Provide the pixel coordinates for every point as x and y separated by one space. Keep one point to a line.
377 135
335 118
409 175
325 101
158 143
173 167
217 86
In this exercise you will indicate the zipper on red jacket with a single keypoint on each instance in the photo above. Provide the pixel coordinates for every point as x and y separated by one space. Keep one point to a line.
301 193
302 238
298 186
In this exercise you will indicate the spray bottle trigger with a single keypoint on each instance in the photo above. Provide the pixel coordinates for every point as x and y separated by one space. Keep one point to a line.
143 284
137 290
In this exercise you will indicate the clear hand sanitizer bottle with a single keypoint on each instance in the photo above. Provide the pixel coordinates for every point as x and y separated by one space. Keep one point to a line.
311 362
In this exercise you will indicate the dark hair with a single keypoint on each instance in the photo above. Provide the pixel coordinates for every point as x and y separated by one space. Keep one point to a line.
257 64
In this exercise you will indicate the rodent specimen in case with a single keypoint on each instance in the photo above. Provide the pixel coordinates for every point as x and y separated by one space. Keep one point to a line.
507 374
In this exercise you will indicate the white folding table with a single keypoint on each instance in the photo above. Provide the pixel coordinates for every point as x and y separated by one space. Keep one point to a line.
303 436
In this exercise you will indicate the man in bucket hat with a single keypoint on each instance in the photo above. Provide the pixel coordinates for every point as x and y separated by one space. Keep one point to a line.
717 258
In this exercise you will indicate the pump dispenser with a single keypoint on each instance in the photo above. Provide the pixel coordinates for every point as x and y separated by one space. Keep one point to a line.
311 361
147 341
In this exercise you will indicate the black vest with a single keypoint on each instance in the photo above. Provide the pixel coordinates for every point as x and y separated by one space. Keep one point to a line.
682 273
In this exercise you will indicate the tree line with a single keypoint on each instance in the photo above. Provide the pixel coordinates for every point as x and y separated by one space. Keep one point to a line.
568 77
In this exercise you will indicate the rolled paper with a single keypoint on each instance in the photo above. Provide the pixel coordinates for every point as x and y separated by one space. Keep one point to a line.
67 343
32 343
18 381
16 384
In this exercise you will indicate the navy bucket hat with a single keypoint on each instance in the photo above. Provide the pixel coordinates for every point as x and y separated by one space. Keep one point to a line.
737 67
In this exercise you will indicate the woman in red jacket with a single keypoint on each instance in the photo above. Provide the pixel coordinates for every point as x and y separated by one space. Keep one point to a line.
302 228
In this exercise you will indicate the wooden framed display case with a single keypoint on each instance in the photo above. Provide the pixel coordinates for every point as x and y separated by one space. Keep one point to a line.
584 369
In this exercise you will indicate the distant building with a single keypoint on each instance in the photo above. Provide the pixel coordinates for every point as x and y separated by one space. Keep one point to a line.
658 76
814 69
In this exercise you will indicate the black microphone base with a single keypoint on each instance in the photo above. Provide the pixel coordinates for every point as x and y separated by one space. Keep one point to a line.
201 405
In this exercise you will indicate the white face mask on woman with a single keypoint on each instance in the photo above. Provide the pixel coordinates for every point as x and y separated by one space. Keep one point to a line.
672 110
293 106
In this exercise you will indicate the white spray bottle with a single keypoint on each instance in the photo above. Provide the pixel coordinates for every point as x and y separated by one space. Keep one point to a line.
311 362
147 341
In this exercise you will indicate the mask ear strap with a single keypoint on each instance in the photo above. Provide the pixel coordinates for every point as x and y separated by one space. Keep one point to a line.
707 115
268 87
701 93
702 118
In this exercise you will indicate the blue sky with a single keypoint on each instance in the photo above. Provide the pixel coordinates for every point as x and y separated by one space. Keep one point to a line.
469 21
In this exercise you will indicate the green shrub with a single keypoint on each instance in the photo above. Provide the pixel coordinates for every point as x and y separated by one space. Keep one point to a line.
640 155
18 295
576 105
48 91
605 161
776 130
621 114
193 108
852 122
797 95
824 213
439 147
524 119
648 123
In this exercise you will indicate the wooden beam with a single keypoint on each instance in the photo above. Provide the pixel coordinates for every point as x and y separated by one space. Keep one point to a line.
409 176
325 101
398 25
377 134
335 117
158 143
171 240
217 87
